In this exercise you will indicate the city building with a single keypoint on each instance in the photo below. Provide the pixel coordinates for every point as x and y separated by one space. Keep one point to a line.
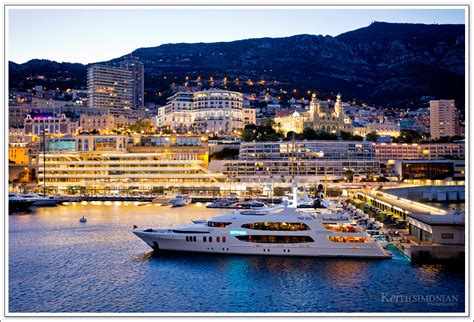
18 153
110 87
208 111
328 117
134 65
437 237
53 125
418 171
308 161
116 164
103 122
381 129
250 116
443 119
294 122
431 151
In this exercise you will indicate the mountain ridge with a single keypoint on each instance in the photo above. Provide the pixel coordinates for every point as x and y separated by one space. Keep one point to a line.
383 63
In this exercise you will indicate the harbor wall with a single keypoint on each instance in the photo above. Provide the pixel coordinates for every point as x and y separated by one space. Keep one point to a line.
433 253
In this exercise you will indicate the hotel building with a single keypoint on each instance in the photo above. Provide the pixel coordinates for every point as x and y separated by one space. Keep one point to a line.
109 87
208 111
117 164
134 65
443 119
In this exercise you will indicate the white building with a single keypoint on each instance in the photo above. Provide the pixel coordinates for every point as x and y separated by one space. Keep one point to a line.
109 87
208 111
443 118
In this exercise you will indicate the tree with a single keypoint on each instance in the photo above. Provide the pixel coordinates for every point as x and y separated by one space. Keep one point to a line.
144 126
349 175
408 136
372 136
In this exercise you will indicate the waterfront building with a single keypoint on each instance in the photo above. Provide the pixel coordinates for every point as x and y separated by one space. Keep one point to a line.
305 171
109 164
134 65
54 125
109 87
436 237
308 161
417 171
208 111
443 119
431 151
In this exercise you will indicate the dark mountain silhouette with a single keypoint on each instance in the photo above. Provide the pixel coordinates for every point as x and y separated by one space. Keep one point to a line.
385 63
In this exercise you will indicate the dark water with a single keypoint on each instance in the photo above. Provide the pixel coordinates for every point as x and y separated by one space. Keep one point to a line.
57 264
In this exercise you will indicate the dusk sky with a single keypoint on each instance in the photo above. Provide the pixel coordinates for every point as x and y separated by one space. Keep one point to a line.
93 35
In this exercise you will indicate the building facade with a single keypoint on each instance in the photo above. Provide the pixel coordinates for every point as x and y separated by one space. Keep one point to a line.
103 122
405 151
308 161
134 65
53 125
115 164
208 111
329 118
443 119
109 87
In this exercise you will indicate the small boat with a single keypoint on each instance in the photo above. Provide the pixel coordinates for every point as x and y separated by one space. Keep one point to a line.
181 201
83 219
41 201
16 203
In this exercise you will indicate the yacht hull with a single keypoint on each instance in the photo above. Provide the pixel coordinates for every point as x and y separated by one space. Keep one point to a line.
169 241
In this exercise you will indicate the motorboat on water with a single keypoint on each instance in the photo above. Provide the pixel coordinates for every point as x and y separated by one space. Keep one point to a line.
16 203
83 219
180 201
41 201
282 230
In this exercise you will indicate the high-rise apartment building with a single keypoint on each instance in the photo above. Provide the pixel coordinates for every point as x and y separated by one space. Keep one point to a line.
134 65
110 87
443 118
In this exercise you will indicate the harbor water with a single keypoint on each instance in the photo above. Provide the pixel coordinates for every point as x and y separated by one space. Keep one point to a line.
57 264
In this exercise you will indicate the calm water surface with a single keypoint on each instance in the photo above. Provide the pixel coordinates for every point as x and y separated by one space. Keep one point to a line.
57 264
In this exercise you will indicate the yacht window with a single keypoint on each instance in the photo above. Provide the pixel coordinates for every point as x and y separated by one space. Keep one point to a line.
204 239
194 238
275 226
218 239
224 239
218 224
275 239
187 238
347 239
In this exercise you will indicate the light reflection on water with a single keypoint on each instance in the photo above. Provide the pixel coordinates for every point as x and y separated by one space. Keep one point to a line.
57 264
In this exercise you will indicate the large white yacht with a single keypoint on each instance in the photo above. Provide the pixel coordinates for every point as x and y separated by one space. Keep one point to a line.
282 231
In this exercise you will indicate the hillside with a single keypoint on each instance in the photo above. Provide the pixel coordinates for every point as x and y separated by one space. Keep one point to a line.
384 63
